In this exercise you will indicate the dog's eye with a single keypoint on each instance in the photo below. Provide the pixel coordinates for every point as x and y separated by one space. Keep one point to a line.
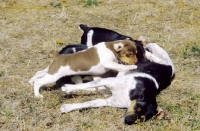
129 54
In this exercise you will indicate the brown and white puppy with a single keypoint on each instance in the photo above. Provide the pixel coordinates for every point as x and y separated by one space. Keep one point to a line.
96 60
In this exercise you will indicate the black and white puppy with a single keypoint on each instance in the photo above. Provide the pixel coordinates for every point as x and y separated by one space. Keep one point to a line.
136 90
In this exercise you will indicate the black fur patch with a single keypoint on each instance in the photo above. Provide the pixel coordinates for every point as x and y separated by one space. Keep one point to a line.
100 35
162 73
69 48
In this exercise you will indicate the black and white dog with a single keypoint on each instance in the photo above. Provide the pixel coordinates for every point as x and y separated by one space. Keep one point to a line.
137 90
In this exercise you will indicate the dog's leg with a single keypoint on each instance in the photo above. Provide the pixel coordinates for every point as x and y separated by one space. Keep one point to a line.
47 79
152 57
160 53
119 67
38 74
77 79
96 83
93 103
101 89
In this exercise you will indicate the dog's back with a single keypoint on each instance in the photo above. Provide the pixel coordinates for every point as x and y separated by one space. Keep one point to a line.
162 73
99 35
73 48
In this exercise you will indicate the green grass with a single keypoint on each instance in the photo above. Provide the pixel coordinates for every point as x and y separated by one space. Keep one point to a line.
191 51
56 5
90 3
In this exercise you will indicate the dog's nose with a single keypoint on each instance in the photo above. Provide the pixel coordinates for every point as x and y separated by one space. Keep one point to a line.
129 119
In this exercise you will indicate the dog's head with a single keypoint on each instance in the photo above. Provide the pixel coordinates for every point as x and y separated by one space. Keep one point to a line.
142 111
125 51
129 51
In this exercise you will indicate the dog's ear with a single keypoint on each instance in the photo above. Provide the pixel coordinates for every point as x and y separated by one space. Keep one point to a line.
118 46
142 39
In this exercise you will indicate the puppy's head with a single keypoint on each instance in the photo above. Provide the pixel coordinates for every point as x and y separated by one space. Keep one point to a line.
126 51
130 51
142 111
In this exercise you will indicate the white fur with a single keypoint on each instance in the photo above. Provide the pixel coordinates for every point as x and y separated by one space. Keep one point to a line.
106 63
74 50
89 38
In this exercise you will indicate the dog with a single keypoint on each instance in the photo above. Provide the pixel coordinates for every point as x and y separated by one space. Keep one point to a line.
95 60
93 35
136 90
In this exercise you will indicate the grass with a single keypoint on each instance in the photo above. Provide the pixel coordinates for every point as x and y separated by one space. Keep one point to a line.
191 51
30 29
91 2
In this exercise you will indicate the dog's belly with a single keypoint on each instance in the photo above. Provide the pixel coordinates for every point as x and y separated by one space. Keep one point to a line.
120 89
97 70
94 70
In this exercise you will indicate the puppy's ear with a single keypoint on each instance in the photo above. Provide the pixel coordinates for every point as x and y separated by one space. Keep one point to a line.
118 47
141 38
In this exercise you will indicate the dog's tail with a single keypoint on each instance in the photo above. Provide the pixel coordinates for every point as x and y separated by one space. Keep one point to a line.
53 54
83 27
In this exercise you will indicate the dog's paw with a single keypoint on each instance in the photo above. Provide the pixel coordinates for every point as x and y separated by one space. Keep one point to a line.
68 88
39 95
155 49
150 47
132 67
31 82
160 115
66 108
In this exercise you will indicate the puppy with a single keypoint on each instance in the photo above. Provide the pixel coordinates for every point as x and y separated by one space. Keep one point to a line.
136 90
96 60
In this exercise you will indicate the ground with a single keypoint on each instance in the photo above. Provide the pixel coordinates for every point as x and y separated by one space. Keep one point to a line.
30 29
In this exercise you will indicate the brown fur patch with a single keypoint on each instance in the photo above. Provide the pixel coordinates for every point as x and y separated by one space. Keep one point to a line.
131 108
139 109
82 61
128 54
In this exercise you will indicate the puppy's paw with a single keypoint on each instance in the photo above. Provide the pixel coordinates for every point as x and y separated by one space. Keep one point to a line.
130 67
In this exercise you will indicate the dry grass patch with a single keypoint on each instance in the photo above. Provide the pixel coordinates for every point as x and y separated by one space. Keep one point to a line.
30 29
